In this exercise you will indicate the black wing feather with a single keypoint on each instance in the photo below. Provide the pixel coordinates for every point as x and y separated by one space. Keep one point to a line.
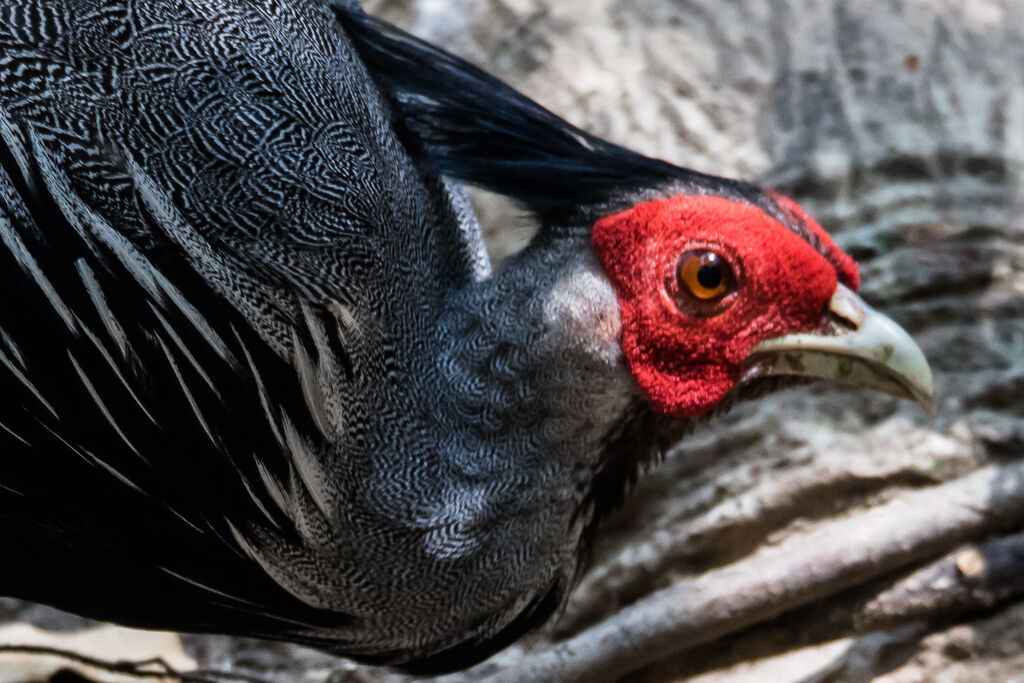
113 371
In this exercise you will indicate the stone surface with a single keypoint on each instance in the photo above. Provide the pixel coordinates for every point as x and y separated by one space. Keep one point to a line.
900 125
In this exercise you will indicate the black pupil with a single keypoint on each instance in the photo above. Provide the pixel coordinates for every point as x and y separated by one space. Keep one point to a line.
710 275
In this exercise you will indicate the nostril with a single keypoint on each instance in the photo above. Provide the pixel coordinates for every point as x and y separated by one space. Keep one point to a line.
847 308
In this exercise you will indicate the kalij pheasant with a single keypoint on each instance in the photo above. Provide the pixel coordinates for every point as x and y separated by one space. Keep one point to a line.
258 376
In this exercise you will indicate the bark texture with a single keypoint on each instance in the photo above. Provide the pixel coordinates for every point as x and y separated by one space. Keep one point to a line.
816 535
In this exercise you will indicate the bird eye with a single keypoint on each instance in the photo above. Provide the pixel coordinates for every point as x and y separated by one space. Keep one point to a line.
704 279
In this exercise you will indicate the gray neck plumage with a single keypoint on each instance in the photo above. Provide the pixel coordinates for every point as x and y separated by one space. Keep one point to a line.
527 426
529 367
526 378
520 386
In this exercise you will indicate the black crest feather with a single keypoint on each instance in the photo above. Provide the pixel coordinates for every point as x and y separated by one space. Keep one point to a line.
461 122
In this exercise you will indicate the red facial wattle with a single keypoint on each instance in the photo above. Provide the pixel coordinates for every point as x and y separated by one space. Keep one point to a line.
684 363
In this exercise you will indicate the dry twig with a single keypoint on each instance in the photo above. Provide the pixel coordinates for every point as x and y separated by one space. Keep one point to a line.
825 562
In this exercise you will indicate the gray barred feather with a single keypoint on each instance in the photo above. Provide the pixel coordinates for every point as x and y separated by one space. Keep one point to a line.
256 364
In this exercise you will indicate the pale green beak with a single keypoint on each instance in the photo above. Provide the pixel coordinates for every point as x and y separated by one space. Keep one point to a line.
861 348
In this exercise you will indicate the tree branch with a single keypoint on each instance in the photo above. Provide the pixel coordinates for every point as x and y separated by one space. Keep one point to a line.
824 562
969 579
155 668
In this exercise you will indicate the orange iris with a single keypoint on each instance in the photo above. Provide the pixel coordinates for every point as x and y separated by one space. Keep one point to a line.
705 275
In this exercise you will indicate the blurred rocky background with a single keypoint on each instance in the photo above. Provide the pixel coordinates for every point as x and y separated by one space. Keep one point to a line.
817 535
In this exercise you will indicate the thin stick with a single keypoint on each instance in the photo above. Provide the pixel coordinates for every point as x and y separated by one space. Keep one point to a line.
136 669
917 526
970 580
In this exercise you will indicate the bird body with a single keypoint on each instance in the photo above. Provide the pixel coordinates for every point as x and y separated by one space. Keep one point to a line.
259 378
